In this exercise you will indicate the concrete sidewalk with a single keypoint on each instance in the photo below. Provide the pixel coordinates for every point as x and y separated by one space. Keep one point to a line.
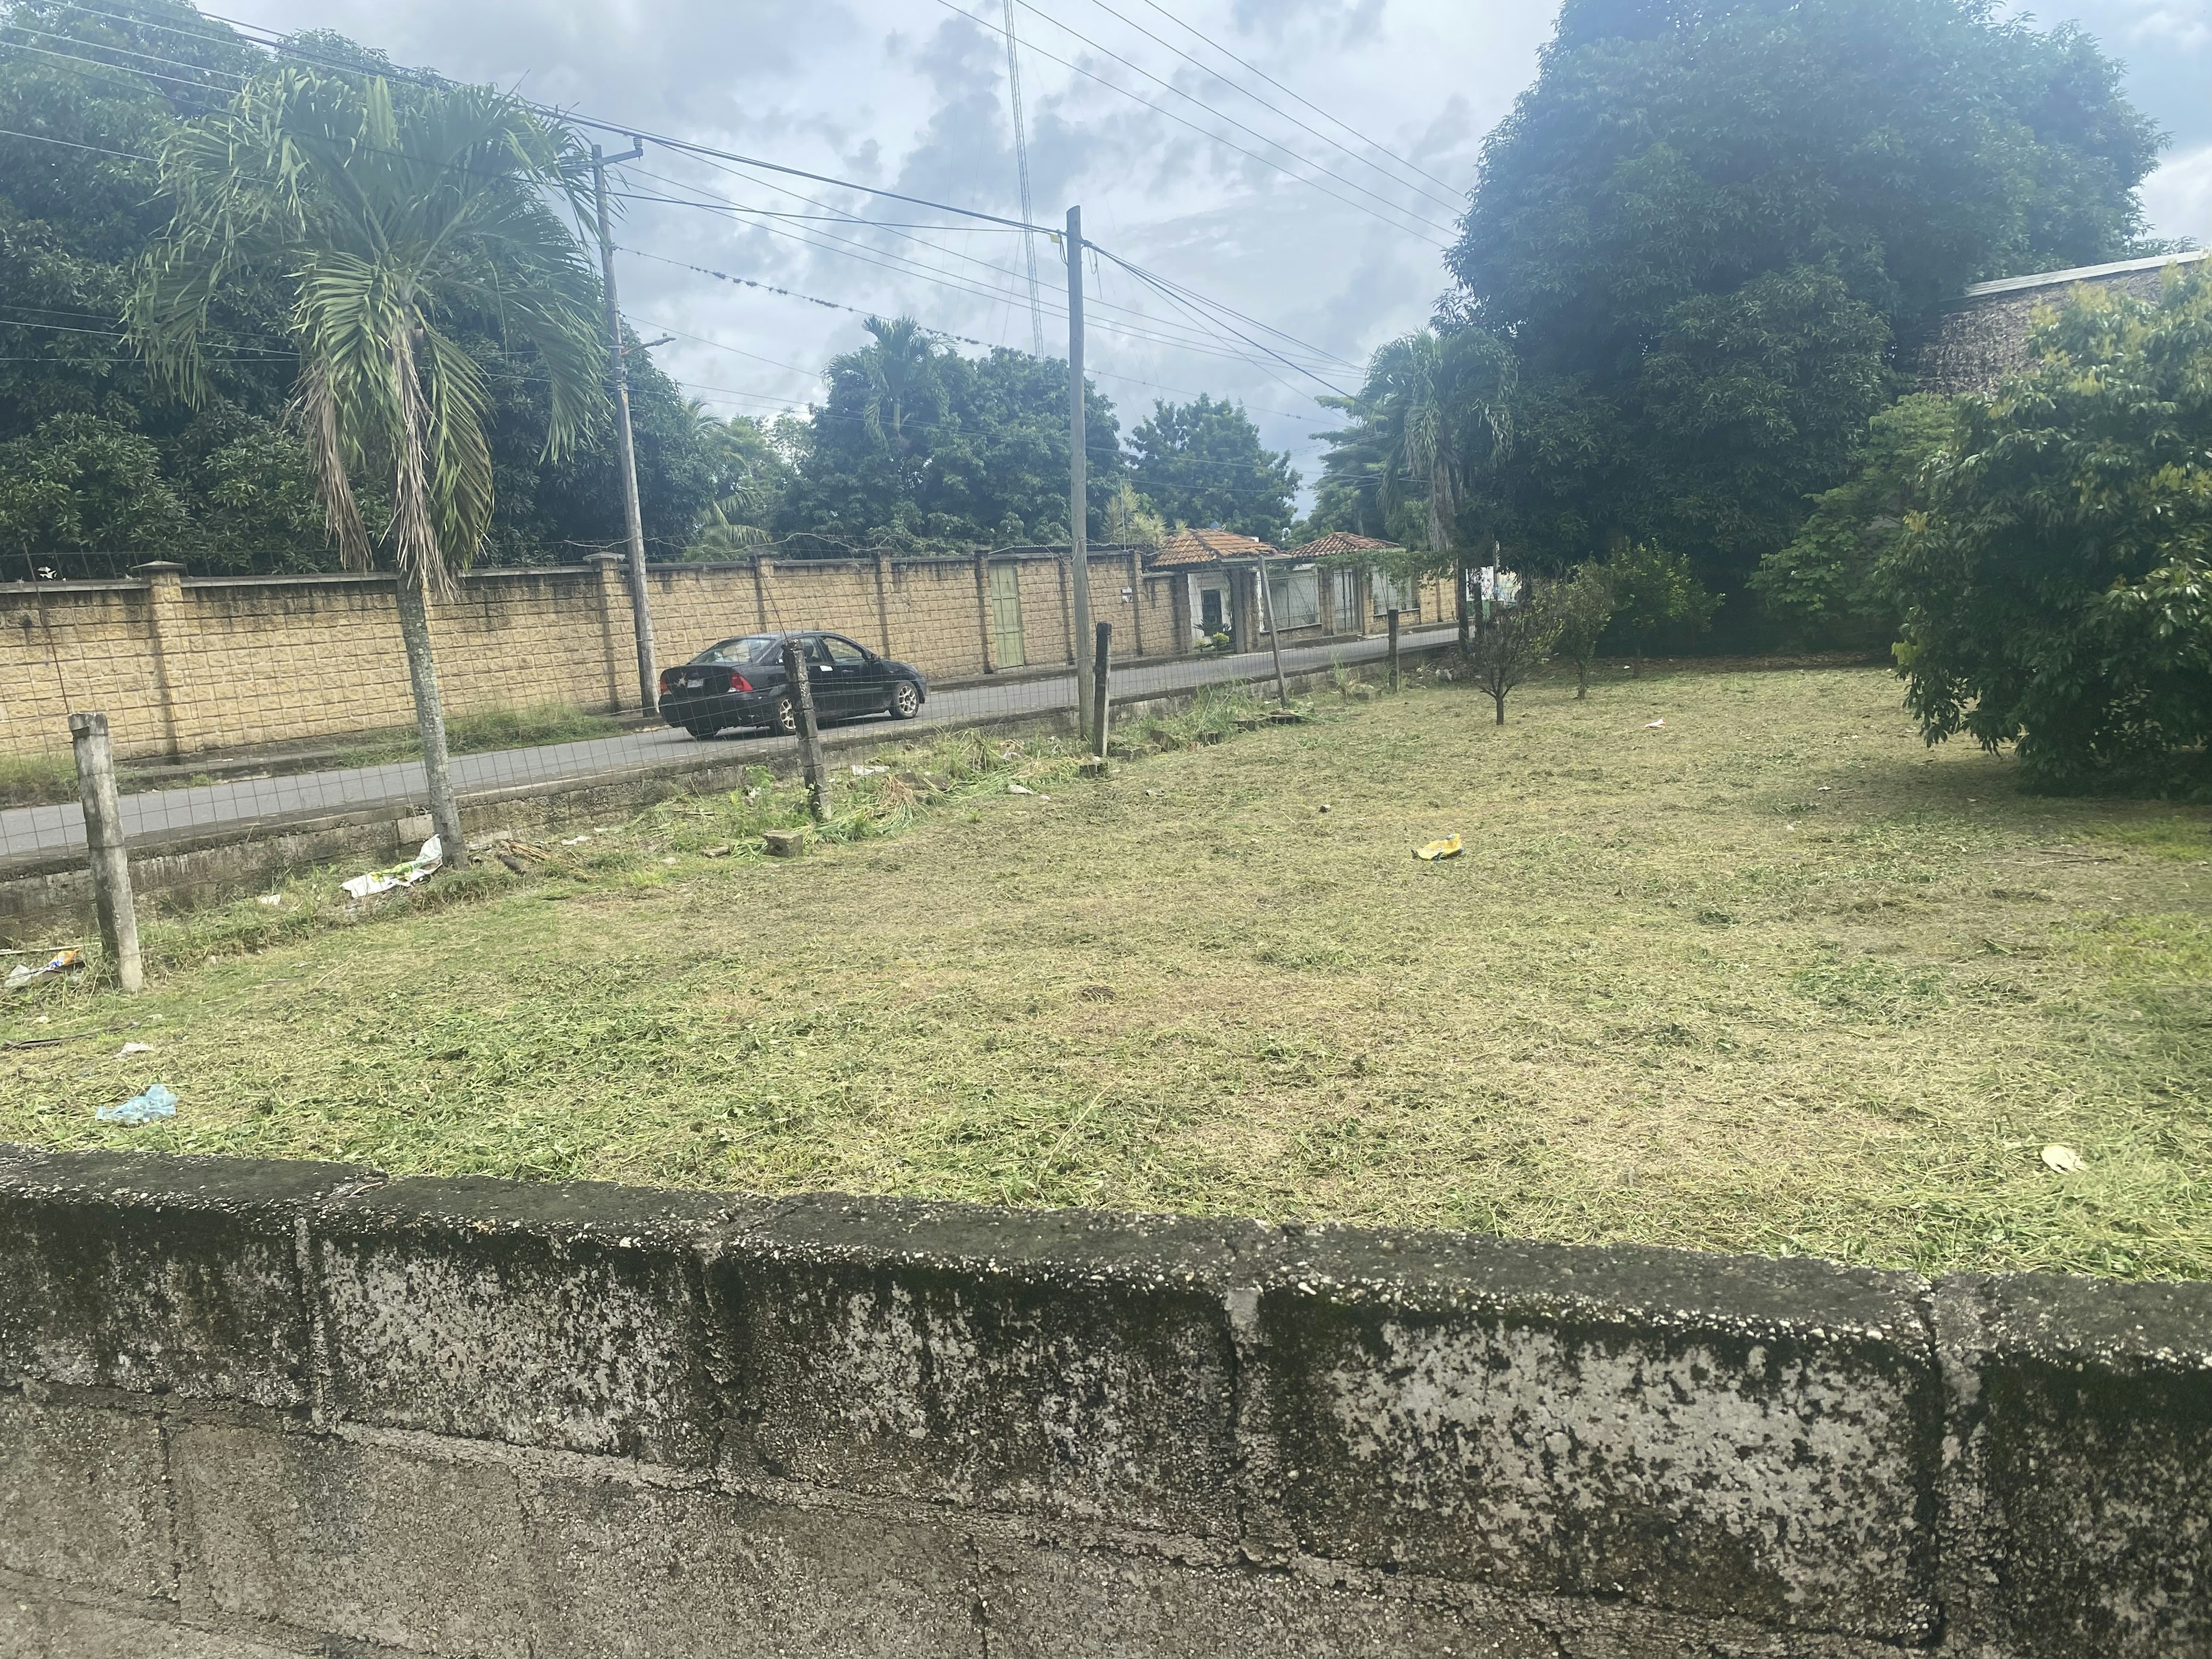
256 805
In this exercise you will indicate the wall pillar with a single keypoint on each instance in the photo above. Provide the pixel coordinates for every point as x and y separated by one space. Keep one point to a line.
771 603
1136 605
883 602
165 623
1067 604
1179 612
983 611
613 600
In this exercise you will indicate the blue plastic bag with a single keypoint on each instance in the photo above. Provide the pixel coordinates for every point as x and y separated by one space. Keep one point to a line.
157 1102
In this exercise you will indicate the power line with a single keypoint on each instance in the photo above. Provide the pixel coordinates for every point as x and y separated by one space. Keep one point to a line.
1453 202
1216 137
1177 340
1241 126
1308 102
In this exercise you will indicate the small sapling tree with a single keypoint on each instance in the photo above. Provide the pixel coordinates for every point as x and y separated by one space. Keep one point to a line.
1507 647
1584 603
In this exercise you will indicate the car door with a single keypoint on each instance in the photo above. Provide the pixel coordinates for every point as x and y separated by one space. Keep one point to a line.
858 683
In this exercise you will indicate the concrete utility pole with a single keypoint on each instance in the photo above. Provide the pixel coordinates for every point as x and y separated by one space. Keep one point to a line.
649 686
103 839
1079 491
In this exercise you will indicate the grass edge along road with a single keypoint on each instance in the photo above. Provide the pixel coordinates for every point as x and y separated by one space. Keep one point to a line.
1769 976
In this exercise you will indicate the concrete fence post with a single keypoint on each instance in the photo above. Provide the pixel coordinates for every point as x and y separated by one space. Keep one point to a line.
613 601
1394 647
109 858
165 603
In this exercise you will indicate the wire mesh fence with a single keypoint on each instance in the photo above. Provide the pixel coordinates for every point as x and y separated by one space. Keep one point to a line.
252 709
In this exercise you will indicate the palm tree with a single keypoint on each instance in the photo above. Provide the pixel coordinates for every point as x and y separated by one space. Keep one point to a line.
1439 406
393 216
901 371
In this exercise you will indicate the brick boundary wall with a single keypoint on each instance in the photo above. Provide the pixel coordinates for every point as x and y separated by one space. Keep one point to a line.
252 1409
184 666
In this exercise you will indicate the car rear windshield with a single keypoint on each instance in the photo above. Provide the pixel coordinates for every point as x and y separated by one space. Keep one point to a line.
753 648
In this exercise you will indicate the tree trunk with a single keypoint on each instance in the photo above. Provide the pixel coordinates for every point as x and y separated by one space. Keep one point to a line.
1582 678
430 723
1500 696
1636 666
1459 599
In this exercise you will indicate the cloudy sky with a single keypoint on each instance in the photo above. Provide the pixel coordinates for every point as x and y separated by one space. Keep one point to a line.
1304 188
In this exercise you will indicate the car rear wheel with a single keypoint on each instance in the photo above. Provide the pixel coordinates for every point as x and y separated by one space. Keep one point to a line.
703 729
784 720
906 700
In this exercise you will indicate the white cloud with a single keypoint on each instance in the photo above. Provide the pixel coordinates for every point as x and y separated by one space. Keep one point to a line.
2178 196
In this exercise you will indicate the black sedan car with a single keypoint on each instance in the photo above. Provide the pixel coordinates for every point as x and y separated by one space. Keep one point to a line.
739 682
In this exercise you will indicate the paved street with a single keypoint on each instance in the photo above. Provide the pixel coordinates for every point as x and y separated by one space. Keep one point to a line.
248 803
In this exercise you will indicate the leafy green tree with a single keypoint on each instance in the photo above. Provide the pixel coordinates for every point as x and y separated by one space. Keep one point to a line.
1703 228
1656 596
1129 519
228 487
917 448
1202 464
2054 597
1584 604
1825 582
749 475
1431 423
382 212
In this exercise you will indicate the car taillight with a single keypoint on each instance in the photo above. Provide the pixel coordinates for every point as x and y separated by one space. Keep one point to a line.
739 683
667 679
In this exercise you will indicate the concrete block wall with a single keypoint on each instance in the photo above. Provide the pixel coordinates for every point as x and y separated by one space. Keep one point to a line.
185 666
250 1409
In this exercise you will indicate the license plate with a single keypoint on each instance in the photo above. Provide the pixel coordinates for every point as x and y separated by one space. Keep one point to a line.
694 684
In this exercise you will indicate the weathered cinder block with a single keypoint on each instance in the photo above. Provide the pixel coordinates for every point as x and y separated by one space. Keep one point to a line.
363 1542
81 1496
1044 1603
2078 1454
1066 1362
139 1271
626 1571
565 1316
40 1627
1721 1434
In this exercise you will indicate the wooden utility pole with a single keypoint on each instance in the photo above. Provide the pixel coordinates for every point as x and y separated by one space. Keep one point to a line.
103 839
810 734
649 686
1393 648
1078 493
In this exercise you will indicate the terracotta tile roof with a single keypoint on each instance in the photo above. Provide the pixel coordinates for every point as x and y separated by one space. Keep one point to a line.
1340 541
1210 547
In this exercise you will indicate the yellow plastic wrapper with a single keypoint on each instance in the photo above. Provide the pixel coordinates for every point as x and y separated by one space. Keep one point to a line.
1446 849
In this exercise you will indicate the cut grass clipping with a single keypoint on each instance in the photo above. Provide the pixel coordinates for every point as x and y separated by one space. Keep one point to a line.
1770 977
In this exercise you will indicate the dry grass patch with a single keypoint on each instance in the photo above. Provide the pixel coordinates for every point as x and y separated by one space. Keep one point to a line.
1772 977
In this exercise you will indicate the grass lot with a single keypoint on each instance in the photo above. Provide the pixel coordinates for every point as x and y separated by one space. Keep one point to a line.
1771 978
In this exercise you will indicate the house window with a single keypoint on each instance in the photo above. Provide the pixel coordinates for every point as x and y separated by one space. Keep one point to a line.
1295 597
